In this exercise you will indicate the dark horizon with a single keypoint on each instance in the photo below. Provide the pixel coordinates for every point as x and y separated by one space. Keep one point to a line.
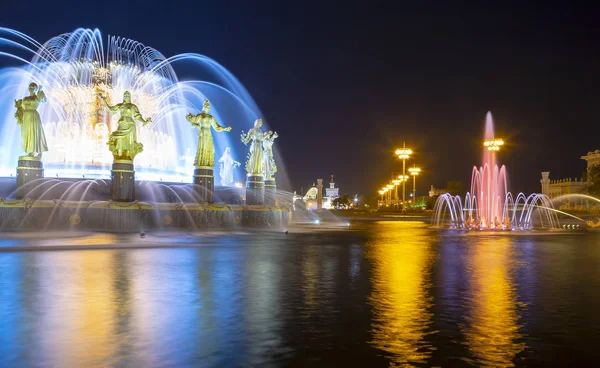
345 86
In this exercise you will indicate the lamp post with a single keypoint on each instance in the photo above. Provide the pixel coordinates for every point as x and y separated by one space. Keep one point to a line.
414 171
403 153
389 188
396 183
403 179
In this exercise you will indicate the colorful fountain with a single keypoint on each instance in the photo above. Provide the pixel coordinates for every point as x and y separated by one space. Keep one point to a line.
489 205
76 71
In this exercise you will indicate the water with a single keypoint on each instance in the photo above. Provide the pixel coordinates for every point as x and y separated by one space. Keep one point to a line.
379 294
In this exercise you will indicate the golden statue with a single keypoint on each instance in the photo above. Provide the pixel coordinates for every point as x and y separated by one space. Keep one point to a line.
205 156
269 162
33 139
255 163
123 142
593 224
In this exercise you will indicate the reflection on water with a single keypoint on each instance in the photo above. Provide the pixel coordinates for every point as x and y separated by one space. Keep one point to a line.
77 306
402 254
382 293
492 330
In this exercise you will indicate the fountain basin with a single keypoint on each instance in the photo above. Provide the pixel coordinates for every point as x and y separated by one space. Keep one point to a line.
135 216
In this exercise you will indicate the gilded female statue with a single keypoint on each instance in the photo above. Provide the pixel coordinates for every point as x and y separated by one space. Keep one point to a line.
123 142
255 163
269 162
33 139
205 156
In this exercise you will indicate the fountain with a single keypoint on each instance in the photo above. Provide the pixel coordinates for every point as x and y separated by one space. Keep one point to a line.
74 186
489 205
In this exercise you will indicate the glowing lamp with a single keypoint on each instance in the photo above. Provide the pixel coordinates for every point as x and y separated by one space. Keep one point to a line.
403 153
493 144
414 170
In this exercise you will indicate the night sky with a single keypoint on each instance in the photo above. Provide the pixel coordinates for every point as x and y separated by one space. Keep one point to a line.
344 85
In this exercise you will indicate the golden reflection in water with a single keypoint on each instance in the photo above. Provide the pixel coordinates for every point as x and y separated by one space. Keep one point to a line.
310 276
492 328
402 254
85 321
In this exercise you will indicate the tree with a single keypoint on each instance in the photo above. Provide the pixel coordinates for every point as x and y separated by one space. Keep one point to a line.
342 202
456 188
431 202
594 177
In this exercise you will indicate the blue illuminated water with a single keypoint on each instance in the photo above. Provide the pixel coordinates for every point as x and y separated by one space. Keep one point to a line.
378 294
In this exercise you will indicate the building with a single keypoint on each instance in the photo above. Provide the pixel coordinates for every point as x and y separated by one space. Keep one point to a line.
555 188
310 198
436 191
331 193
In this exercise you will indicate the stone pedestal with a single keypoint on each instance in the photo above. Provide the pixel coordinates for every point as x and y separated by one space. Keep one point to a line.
270 192
205 183
255 190
28 170
123 181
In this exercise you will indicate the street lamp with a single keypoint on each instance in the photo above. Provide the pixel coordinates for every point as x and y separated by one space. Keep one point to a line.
383 192
388 189
414 171
403 179
396 183
403 153
493 144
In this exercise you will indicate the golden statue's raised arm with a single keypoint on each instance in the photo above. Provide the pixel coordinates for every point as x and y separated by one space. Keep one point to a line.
245 137
113 109
19 113
138 116
219 128
192 118
41 96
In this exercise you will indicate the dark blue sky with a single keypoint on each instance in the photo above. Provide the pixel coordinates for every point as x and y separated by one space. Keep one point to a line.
345 84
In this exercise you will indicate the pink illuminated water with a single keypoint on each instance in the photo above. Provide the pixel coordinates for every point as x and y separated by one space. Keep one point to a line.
488 183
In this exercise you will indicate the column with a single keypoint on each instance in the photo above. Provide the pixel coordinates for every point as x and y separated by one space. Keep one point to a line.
204 183
255 190
123 181
29 169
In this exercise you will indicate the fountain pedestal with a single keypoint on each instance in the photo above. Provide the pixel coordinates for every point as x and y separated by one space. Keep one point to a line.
123 181
255 190
204 181
270 192
28 170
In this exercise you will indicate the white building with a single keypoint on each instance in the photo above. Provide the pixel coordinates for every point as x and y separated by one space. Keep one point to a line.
331 193
310 198
555 188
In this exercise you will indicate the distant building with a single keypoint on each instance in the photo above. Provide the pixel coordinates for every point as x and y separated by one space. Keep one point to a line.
555 188
436 191
310 198
331 193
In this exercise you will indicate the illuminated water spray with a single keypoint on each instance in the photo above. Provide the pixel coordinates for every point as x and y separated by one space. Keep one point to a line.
489 205
74 68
